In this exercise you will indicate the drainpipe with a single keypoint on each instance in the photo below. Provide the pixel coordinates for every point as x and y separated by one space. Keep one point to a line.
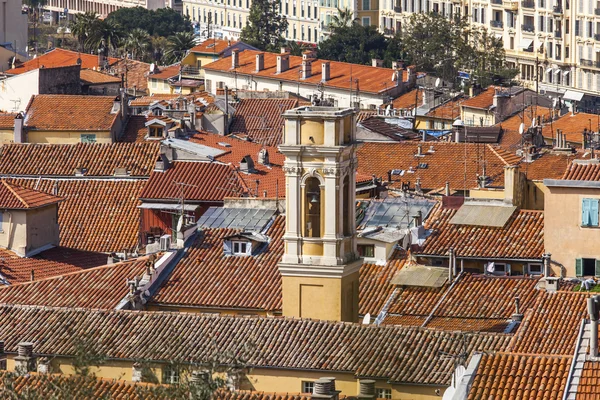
593 312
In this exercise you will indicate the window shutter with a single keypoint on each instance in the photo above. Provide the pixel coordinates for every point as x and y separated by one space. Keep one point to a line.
597 271
227 247
585 212
593 212
579 267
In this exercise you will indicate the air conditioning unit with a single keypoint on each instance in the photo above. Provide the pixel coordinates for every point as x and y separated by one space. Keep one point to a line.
165 242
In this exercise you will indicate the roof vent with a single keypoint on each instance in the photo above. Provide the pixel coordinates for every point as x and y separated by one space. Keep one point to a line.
263 157
247 164
366 389
25 349
431 150
80 171
422 165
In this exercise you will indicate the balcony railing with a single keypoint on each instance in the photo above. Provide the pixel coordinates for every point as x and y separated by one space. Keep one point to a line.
527 28
557 34
389 31
397 9
496 24
589 63
512 5
528 3
188 70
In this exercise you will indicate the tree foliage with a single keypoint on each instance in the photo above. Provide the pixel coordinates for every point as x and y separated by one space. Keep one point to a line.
82 27
177 46
343 18
137 42
354 44
162 22
265 27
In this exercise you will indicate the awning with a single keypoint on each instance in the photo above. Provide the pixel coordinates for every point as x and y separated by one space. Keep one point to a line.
573 95
525 43
168 206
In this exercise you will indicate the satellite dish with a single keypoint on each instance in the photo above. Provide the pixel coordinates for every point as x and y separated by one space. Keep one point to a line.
521 128
152 68
449 393
367 319
437 82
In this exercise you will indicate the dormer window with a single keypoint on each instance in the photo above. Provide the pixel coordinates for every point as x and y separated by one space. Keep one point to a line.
155 131
157 111
241 248
244 244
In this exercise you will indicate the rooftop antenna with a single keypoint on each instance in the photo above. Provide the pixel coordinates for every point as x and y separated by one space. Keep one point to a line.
181 185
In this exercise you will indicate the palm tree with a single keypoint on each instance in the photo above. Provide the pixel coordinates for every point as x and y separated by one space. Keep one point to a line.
137 42
159 45
82 27
178 46
345 17
296 48
108 30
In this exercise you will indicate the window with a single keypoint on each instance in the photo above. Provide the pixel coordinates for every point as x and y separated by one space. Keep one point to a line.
307 387
155 131
589 212
88 138
170 375
240 248
366 5
383 393
535 269
366 21
366 250
313 208
497 268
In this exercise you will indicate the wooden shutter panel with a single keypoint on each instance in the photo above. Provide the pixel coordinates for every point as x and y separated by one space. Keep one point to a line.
593 212
579 267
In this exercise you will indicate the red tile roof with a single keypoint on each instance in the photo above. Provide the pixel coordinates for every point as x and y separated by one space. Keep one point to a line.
449 110
7 120
549 165
135 74
206 277
135 130
164 73
571 125
99 288
511 138
445 163
374 283
261 119
98 215
522 237
552 325
204 181
407 100
97 159
483 100
588 388
582 172
412 305
58 58
371 79
59 112
78 258
213 46
145 101
15 197
92 77
520 376
397 354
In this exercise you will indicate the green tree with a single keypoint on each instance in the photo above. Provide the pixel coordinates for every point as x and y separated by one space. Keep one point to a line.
344 18
354 44
162 22
296 48
159 46
265 26
82 28
178 45
107 30
137 42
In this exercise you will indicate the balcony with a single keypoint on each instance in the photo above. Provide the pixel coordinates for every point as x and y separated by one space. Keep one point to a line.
528 3
389 31
557 34
397 9
497 24
528 28
511 5
187 71
557 10
589 63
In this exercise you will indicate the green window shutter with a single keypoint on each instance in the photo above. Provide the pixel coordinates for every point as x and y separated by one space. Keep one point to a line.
579 267
593 212
585 212
597 272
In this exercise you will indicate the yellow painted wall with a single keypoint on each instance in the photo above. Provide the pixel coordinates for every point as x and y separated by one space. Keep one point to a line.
472 116
192 59
6 136
486 193
314 129
536 192
66 137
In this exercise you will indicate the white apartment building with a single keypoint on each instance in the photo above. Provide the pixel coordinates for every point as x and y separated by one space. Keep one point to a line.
555 43
104 7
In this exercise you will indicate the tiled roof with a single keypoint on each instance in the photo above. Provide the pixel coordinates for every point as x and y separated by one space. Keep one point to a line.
253 395
58 58
97 159
371 79
582 172
520 376
511 138
521 237
261 119
392 131
449 110
97 214
552 326
135 130
571 125
407 100
165 73
588 388
90 76
205 277
135 73
213 46
7 121
15 197
78 258
398 354
483 100
204 181
364 114
374 283
99 288
145 101
445 163
549 165
413 304
59 112
270 178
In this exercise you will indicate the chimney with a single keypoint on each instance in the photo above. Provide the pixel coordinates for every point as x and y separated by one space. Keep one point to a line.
32 275
517 316
283 63
124 104
235 59
25 362
325 71
260 62
19 136
447 189
199 377
324 388
162 163
306 69
419 149
136 372
411 75
376 62
389 173
593 311
451 262
263 157
366 389
247 164
418 186
43 366
396 65
512 190
418 218
546 258
284 50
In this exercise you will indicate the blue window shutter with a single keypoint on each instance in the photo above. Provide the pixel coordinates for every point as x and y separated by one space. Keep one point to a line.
593 212
585 212
579 267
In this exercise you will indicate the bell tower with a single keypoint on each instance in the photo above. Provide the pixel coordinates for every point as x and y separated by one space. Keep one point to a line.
320 264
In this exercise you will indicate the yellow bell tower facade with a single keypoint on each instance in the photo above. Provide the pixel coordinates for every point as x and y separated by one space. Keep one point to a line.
320 264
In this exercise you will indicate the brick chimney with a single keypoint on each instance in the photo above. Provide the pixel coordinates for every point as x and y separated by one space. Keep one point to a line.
260 62
235 59
25 362
325 71
283 62
19 136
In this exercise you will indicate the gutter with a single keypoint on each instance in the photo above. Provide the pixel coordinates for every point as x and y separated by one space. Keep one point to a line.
571 184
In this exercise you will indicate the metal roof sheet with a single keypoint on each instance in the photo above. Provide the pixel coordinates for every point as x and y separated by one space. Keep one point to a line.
249 219
483 215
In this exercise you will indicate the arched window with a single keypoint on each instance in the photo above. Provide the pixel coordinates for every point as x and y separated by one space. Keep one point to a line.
312 208
346 204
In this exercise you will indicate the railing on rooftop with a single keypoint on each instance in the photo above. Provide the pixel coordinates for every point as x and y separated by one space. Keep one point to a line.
496 24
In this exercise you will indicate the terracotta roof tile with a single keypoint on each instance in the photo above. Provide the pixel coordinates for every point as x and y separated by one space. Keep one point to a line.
511 138
412 305
571 125
204 181
59 112
407 100
371 79
364 114
445 163
213 46
7 120
135 130
549 165
582 172
97 159
398 354
15 197
520 376
98 215
99 288
206 277
588 388
135 73
164 73
90 76
552 325
261 119
145 101
58 58
468 324
392 131
374 283
483 100
521 237
449 110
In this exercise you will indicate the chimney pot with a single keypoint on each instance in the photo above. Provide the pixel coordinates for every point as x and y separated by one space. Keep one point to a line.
366 389
260 62
447 189
375 62
284 50
322 387
18 136
306 69
25 349
235 59
419 149
283 63
325 71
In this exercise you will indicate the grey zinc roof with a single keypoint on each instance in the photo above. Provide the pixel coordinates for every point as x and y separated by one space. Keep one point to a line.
249 219
395 213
